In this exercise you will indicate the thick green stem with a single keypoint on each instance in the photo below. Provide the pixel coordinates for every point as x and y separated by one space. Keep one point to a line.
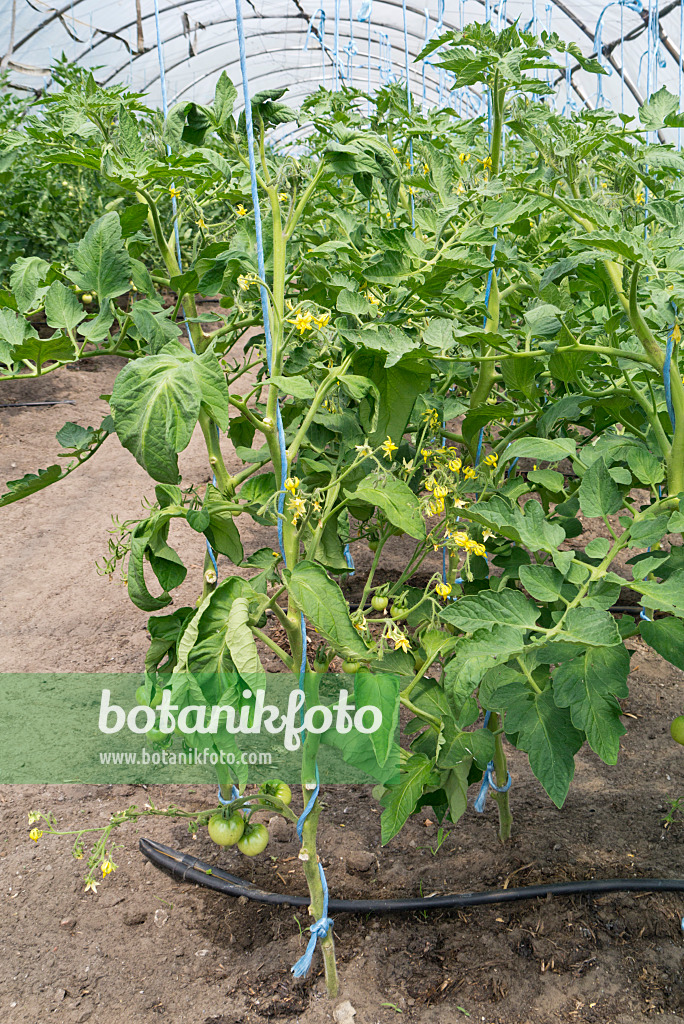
501 773
308 853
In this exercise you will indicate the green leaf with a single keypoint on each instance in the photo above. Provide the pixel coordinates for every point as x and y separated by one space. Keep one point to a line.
399 801
104 266
527 526
549 479
590 686
74 436
590 626
224 99
507 607
647 532
541 582
133 218
353 302
545 732
59 349
541 449
222 532
156 402
15 328
396 499
379 691
474 656
26 278
657 109
385 338
242 645
666 637
598 494
324 605
298 387
666 597
29 484
598 547
62 308
645 467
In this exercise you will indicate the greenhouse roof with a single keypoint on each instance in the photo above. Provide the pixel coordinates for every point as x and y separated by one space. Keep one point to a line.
363 43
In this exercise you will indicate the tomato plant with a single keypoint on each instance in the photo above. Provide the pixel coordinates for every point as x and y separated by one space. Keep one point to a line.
471 341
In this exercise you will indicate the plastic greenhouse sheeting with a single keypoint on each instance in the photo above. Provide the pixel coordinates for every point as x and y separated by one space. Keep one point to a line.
363 43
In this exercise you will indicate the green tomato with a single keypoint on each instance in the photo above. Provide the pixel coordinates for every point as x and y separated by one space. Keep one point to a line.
140 698
159 738
378 603
374 543
87 298
399 611
677 730
226 831
350 666
254 839
280 790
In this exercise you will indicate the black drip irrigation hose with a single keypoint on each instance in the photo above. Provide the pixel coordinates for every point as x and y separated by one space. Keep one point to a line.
190 869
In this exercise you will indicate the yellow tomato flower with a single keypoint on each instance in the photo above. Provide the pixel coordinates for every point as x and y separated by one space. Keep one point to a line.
35 834
429 484
322 320
283 197
91 886
200 223
461 538
298 508
487 534
291 484
443 590
491 459
426 453
401 641
371 298
240 210
640 198
460 503
455 465
464 157
107 867
363 449
441 491
487 162
426 168
174 192
388 447
478 549
676 334
469 473
302 321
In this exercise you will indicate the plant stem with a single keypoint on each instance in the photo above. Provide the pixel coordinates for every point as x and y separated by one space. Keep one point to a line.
308 854
501 771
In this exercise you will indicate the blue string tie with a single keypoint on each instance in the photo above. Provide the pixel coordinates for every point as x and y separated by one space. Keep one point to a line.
488 783
319 929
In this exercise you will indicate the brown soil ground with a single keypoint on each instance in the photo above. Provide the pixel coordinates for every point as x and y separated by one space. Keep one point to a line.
148 949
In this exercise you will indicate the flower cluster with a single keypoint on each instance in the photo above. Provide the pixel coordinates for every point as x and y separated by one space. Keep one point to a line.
245 281
306 320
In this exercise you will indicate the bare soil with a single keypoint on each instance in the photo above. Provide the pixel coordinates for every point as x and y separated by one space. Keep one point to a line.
148 949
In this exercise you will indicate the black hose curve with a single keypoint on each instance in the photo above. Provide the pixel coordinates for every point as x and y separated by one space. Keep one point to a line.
191 869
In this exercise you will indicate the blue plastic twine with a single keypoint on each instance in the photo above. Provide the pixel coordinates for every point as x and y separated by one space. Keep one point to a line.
667 371
487 784
319 929
488 781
